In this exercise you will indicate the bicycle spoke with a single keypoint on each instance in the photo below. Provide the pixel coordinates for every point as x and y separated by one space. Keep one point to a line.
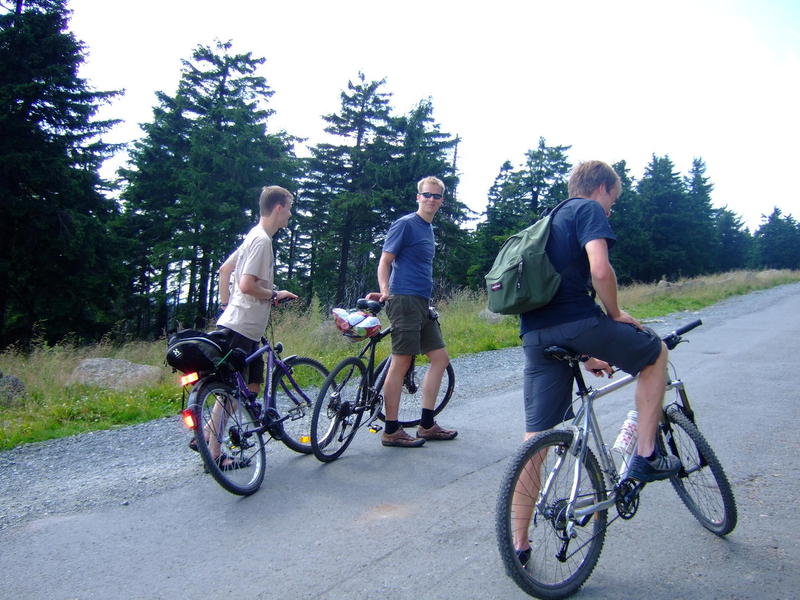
701 484
338 410
558 563
228 428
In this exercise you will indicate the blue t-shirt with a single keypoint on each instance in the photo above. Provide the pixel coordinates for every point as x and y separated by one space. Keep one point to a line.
574 225
410 239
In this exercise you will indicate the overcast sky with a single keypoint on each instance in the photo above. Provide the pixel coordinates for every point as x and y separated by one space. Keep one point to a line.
719 80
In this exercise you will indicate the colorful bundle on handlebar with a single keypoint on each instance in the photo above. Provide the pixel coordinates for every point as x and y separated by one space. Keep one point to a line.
356 325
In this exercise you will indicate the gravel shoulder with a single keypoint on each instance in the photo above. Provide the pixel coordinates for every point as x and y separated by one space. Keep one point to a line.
119 466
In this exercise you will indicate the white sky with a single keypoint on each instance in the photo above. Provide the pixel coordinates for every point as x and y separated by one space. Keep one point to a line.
715 79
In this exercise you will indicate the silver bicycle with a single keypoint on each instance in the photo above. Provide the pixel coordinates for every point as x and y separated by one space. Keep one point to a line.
561 484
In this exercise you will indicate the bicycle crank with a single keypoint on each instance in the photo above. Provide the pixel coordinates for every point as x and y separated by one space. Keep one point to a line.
628 498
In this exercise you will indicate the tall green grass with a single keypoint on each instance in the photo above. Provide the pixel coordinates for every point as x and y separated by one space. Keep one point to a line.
54 409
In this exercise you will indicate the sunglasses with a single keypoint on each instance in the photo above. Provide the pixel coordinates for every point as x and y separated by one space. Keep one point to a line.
430 195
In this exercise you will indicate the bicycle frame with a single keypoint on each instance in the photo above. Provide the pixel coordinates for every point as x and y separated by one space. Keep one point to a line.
586 429
273 362
370 347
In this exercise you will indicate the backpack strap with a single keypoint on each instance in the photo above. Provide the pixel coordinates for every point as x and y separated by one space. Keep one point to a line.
589 287
552 211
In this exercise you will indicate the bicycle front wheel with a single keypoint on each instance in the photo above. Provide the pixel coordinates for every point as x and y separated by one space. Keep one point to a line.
701 483
295 401
228 439
338 409
411 392
558 564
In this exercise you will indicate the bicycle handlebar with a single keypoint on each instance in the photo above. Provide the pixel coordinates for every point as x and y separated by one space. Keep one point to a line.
688 327
674 338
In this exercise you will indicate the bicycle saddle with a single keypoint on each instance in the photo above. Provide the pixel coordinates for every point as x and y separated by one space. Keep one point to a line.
559 353
371 306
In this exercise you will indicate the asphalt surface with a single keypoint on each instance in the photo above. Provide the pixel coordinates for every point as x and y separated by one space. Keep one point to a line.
419 523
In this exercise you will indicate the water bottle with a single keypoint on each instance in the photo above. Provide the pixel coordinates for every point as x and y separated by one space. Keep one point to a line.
626 441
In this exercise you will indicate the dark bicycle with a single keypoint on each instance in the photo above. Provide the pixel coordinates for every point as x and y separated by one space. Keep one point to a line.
230 422
351 396
560 485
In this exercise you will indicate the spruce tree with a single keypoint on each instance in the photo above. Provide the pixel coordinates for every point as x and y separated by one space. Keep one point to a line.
58 262
733 240
209 148
778 242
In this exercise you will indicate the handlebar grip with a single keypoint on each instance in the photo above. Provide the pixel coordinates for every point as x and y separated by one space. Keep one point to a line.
688 327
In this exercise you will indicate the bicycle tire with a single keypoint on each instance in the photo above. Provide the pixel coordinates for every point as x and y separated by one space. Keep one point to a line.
287 399
236 436
701 482
411 393
546 576
336 411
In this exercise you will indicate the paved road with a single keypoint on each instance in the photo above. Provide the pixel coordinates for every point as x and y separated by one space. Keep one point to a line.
402 524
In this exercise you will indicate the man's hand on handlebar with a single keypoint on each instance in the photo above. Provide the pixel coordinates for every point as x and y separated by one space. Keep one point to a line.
282 297
377 296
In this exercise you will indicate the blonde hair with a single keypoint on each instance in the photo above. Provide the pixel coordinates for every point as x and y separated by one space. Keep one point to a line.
432 180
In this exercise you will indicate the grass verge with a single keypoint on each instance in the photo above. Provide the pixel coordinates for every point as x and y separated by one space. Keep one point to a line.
53 409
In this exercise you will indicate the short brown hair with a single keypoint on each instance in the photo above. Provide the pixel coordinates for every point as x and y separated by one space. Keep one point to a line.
430 179
272 195
590 175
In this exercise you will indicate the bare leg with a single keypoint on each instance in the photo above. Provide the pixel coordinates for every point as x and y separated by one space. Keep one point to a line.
433 378
218 421
394 383
525 494
650 390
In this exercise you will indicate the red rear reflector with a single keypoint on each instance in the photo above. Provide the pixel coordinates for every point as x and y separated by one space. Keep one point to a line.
187 415
190 378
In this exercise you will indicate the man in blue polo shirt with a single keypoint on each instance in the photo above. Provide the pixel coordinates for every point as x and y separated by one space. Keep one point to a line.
405 278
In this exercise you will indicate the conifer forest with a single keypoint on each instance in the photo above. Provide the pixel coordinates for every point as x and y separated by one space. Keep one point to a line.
87 257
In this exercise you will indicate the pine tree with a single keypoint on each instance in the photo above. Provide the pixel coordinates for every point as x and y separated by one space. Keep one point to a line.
342 186
778 241
663 206
426 150
58 262
517 198
734 242
633 249
699 235
209 149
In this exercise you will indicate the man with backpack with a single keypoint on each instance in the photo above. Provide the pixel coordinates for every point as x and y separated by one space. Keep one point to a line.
578 246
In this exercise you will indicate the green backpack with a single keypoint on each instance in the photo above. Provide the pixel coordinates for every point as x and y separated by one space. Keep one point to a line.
522 277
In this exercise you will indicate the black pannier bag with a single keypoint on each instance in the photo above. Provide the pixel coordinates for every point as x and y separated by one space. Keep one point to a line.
191 351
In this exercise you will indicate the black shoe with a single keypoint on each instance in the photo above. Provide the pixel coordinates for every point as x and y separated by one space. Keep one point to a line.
232 465
523 556
661 467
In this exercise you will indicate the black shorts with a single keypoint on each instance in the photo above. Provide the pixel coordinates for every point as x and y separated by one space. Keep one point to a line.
548 382
255 370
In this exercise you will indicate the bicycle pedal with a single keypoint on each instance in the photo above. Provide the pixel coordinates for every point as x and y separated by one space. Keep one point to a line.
375 428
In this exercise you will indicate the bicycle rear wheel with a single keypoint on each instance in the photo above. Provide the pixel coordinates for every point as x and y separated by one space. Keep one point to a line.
701 482
411 392
338 409
222 417
558 565
296 403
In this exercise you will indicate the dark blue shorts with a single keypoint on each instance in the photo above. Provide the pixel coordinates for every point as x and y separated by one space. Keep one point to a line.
548 382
